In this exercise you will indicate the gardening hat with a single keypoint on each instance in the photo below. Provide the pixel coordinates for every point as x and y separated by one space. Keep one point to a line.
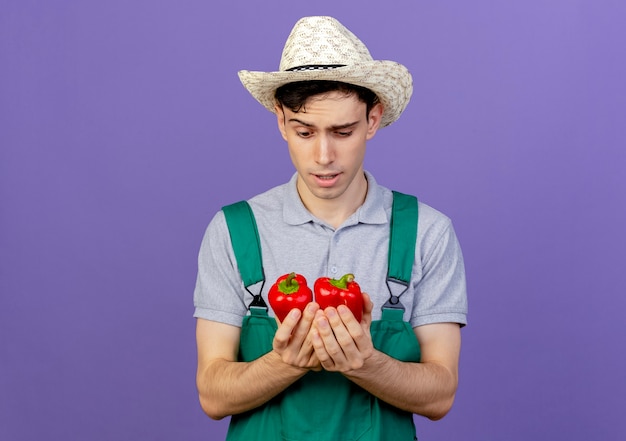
321 48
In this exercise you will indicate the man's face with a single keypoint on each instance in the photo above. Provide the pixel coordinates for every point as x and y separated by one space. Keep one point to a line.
326 142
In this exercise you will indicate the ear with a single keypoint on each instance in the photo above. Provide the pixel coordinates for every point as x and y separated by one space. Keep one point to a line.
373 123
280 119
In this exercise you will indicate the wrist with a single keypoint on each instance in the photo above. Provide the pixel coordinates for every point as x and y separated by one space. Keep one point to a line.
278 362
371 363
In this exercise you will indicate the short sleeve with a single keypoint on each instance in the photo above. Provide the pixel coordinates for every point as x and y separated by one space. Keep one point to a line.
219 293
441 294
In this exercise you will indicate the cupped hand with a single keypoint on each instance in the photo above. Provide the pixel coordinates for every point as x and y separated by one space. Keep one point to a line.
340 342
292 340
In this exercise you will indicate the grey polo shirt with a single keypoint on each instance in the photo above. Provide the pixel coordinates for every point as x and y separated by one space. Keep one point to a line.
292 239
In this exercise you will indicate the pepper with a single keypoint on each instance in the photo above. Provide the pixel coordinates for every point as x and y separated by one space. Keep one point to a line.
335 292
290 291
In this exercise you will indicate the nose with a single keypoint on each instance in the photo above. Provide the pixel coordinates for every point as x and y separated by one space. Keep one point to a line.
324 152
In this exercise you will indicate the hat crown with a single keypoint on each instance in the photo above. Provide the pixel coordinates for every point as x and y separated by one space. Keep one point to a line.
322 49
322 41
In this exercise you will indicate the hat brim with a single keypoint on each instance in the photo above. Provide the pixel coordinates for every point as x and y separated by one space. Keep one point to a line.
390 81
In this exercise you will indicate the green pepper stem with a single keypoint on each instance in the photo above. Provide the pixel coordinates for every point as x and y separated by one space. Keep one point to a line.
289 285
343 282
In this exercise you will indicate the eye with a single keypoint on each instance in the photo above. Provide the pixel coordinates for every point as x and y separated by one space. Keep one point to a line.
344 134
303 133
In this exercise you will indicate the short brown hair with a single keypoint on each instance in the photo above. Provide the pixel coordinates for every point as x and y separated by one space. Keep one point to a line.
295 95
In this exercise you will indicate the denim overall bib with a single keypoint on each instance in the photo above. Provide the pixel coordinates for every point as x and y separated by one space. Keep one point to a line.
325 406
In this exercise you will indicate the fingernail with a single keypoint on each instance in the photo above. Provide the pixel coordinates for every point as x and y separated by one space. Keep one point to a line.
294 314
342 309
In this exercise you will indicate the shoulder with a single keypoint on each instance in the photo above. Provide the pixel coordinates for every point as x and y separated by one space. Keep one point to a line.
435 230
269 201
431 218
262 204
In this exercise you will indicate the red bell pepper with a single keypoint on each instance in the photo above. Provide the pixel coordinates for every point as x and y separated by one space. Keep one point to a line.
290 291
335 292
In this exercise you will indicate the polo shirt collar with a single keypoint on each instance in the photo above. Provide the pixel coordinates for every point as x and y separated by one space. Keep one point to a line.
371 212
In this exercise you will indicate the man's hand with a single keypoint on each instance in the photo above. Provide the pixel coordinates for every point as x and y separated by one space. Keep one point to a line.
341 343
292 340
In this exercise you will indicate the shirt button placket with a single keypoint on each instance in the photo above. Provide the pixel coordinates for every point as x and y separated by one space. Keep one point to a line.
332 262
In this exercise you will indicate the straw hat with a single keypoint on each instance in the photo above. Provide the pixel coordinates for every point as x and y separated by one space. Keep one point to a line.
321 48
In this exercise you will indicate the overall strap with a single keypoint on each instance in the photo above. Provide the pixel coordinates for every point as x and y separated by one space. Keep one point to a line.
244 237
402 240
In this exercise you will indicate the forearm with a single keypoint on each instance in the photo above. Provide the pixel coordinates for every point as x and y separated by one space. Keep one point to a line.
229 387
426 389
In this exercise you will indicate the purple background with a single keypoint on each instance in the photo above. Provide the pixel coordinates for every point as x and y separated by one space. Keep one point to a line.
123 128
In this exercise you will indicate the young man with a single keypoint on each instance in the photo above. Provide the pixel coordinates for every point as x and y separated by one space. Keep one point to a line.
321 374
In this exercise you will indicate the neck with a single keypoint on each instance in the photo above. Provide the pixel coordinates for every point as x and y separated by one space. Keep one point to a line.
334 211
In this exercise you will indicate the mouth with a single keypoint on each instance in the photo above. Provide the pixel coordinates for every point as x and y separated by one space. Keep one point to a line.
326 179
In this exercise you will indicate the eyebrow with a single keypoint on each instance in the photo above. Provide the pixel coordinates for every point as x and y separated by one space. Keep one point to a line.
334 127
